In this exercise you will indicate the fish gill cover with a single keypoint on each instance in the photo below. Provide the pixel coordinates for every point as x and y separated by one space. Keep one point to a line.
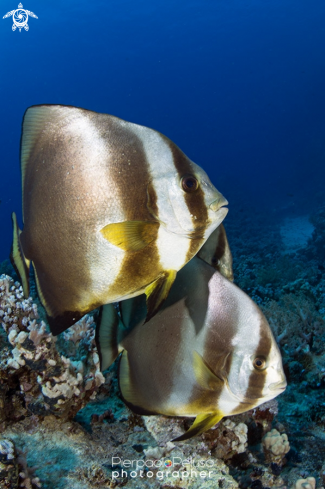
238 86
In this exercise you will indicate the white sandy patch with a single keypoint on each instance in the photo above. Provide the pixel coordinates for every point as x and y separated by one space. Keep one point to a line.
295 232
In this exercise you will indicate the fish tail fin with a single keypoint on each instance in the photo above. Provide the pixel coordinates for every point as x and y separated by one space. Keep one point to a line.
20 263
158 291
203 422
107 335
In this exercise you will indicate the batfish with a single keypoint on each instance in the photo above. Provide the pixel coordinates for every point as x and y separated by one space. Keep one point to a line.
111 210
209 352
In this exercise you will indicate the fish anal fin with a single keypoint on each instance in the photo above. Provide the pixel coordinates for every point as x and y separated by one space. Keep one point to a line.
131 235
57 322
60 323
202 423
158 291
205 377
128 393
106 335
20 263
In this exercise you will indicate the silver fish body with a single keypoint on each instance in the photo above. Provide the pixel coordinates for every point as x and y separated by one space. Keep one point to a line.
209 352
111 210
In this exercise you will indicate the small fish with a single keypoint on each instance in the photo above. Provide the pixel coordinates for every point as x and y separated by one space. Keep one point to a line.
111 210
209 352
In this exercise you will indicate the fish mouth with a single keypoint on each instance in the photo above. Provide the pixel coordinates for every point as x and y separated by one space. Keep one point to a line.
278 386
218 203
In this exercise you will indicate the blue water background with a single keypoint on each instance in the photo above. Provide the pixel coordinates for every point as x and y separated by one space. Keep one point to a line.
239 85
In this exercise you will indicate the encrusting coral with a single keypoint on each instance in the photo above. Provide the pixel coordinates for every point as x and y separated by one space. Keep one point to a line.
14 471
309 483
35 378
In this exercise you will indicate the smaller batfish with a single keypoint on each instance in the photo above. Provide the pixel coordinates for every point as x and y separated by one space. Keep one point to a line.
209 352
111 210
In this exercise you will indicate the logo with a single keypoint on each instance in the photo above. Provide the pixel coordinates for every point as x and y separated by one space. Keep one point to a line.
175 468
20 18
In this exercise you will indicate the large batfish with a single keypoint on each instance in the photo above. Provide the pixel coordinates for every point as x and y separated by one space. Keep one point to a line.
111 210
209 352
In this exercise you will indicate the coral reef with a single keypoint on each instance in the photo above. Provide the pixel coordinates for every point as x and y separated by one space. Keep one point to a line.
309 483
290 288
14 471
315 248
275 447
35 378
63 424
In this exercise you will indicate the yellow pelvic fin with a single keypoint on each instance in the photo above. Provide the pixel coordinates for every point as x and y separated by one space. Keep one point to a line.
202 423
207 379
17 257
106 335
158 291
131 235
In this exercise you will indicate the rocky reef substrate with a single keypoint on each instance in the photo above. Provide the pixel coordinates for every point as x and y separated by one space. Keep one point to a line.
63 424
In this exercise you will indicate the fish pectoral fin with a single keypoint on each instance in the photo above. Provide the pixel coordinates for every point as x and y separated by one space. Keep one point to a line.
106 335
20 263
131 235
202 423
216 252
207 379
158 291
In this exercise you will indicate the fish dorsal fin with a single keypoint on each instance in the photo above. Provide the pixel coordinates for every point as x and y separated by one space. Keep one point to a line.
20 263
131 235
107 335
207 379
202 423
216 252
129 394
157 292
33 124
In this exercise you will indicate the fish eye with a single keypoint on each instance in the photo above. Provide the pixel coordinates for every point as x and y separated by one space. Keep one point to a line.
259 363
189 183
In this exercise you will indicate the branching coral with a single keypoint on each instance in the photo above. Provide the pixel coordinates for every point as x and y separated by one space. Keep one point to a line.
239 443
44 380
275 446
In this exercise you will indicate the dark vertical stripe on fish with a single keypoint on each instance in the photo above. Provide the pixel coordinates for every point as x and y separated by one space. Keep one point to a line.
195 202
131 172
257 378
